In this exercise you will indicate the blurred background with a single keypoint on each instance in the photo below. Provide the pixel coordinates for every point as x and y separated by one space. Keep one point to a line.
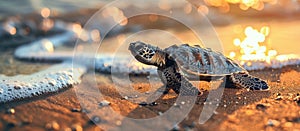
250 30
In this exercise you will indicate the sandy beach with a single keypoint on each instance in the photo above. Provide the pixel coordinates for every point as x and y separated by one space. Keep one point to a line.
239 109
277 109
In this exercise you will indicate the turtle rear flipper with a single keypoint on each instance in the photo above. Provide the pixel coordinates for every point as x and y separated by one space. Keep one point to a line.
247 81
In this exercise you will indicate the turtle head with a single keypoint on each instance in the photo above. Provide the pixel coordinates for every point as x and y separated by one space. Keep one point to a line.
147 54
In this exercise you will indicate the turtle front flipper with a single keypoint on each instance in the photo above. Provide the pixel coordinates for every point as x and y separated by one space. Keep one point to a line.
177 82
172 79
245 80
186 88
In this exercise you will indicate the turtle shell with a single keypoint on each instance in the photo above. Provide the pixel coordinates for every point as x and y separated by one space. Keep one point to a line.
195 62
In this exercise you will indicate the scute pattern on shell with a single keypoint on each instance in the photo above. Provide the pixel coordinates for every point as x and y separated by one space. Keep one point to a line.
196 61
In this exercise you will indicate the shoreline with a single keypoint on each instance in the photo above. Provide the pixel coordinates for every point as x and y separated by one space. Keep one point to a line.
234 116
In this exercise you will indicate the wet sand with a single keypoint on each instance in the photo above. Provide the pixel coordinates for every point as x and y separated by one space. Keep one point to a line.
239 109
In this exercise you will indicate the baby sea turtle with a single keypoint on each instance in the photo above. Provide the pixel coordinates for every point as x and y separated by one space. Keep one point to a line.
179 64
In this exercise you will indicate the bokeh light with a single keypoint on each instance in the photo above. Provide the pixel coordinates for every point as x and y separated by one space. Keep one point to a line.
224 5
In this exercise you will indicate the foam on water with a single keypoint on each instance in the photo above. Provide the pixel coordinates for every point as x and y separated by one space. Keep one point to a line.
110 64
274 64
53 79
43 49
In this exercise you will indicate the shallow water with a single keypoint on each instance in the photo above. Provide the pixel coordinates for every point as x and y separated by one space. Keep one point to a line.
8 8
10 66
